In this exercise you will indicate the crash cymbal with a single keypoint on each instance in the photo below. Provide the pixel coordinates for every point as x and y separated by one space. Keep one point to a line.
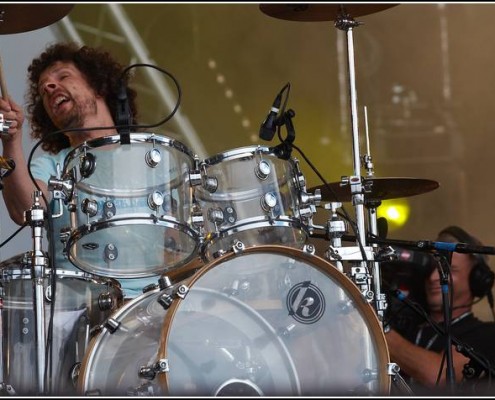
16 18
379 189
320 12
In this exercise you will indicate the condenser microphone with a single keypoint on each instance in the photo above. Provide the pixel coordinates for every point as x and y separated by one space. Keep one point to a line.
269 125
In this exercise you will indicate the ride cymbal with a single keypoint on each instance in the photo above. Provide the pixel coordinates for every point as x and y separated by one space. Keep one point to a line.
320 12
378 189
16 18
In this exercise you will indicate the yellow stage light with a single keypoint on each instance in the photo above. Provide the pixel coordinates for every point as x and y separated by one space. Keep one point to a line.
396 212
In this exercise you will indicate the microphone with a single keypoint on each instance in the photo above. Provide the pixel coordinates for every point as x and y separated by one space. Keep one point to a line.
123 114
410 263
269 125
410 256
382 227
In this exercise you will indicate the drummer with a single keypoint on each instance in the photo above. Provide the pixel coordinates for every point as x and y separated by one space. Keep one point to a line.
70 87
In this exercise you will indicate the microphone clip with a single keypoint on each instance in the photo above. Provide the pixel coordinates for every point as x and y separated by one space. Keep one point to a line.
284 149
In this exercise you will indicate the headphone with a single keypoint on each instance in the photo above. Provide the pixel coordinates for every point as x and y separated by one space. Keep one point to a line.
481 277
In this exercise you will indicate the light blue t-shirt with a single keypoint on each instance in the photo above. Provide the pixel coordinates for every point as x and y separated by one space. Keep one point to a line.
43 168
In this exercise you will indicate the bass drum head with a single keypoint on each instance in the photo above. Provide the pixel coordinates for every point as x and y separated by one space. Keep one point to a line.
128 343
272 321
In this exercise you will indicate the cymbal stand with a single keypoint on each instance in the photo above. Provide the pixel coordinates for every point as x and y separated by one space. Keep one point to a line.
35 218
359 274
371 206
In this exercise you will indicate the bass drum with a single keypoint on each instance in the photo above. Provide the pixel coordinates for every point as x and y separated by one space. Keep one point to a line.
272 321
267 321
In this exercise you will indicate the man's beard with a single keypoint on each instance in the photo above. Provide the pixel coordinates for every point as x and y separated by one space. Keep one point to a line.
76 117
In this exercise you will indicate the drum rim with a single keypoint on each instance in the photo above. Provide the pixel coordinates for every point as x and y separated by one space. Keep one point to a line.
78 234
240 152
323 265
247 225
138 137
15 264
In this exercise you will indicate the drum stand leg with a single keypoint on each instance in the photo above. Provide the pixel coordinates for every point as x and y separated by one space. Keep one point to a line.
35 217
398 381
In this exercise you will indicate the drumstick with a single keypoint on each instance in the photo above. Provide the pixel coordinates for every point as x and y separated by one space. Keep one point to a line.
3 87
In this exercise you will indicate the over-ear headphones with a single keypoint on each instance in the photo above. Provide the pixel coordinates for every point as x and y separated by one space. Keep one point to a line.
481 278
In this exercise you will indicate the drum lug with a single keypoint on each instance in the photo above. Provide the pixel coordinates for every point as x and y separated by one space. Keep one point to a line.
87 164
392 369
106 301
155 200
112 325
165 300
153 157
89 207
215 216
268 201
182 291
309 248
262 170
150 372
217 254
210 184
164 282
238 247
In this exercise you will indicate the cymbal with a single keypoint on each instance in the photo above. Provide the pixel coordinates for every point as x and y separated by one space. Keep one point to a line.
320 12
381 189
16 18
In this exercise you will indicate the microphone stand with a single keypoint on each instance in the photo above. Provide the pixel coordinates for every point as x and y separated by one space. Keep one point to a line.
444 272
469 370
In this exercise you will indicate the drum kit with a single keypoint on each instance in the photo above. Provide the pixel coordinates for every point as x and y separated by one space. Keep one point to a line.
242 306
